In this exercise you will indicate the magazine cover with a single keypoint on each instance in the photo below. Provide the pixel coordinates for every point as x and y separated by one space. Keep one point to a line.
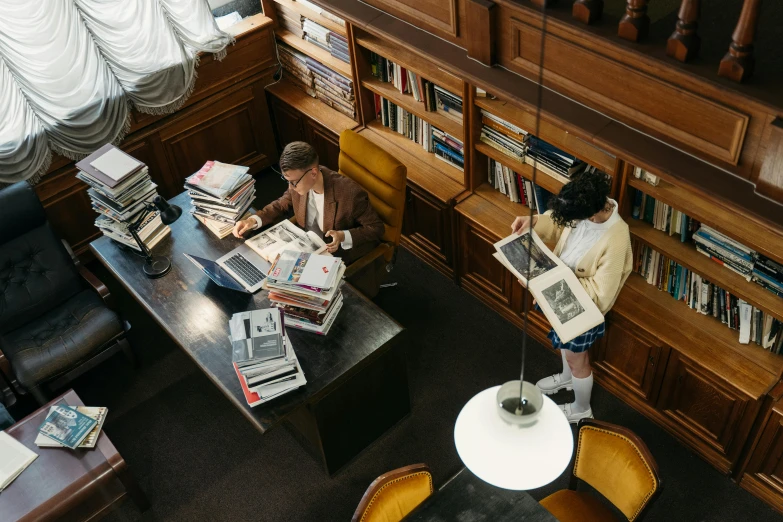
67 426
555 287
285 236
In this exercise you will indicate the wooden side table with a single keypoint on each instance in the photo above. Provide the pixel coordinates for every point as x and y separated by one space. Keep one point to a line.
64 484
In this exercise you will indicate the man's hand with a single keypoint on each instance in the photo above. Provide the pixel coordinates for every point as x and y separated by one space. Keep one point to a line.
337 238
521 224
243 226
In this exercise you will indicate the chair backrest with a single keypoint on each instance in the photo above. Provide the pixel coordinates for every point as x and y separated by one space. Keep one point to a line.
380 174
36 271
395 494
618 464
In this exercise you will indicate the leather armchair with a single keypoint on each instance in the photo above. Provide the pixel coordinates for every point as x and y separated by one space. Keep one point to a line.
55 320
384 178
392 496
617 464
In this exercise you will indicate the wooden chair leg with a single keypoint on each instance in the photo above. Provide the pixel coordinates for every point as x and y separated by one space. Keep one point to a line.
39 395
588 11
128 352
635 23
738 63
684 43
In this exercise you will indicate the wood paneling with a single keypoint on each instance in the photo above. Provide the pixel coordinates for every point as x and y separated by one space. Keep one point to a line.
427 229
629 94
325 142
289 124
437 16
763 475
481 30
770 179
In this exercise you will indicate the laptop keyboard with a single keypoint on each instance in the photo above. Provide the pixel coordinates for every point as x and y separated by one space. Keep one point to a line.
244 269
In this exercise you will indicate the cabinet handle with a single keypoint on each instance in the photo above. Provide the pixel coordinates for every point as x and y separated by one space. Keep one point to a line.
652 361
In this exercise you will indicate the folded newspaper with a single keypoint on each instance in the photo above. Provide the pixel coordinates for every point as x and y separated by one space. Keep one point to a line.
285 236
555 287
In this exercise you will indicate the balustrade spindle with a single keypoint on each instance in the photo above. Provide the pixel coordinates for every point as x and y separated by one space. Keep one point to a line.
684 43
635 22
588 11
739 61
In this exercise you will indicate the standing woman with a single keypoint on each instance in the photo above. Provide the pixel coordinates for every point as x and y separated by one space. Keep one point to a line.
593 240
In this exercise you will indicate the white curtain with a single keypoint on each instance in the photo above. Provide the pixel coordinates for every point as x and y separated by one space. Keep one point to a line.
71 71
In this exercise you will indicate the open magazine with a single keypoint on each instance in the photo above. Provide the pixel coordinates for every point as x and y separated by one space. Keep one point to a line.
562 298
285 236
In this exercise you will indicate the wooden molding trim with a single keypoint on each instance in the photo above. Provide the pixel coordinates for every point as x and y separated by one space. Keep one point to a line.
406 7
481 30
770 180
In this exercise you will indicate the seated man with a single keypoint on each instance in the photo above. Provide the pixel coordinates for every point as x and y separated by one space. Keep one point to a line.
321 200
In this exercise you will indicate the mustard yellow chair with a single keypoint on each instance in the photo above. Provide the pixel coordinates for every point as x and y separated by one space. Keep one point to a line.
616 463
384 178
395 494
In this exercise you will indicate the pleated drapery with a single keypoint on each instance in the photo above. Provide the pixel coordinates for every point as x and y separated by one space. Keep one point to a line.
72 70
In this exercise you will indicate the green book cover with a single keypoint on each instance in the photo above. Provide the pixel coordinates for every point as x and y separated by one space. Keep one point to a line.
67 426
649 209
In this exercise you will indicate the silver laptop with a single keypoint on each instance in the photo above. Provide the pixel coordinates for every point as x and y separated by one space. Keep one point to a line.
242 264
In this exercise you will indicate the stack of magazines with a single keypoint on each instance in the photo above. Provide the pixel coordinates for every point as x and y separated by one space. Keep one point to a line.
263 357
71 427
306 287
120 188
221 195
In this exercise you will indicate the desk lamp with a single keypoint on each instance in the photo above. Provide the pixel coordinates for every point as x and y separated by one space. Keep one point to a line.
155 266
512 436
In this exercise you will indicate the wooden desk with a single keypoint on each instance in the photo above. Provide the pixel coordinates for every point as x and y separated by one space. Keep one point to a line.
357 385
466 497
64 484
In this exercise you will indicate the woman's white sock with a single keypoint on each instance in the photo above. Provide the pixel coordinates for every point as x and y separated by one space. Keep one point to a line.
583 388
566 375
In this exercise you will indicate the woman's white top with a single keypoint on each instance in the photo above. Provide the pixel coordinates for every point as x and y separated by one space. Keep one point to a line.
583 236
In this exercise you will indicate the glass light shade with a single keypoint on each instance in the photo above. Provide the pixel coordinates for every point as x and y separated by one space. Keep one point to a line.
509 407
513 455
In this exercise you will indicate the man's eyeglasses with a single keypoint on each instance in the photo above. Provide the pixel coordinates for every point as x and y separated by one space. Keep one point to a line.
295 183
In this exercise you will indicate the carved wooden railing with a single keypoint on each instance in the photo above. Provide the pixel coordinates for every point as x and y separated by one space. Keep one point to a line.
684 42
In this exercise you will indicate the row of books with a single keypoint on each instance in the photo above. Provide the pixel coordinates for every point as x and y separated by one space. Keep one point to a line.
432 139
331 42
667 275
120 190
221 195
263 356
663 217
306 288
434 97
517 188
318 80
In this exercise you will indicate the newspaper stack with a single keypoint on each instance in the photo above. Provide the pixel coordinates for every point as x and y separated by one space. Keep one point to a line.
120 188
306 287
96 413
262 355
221 195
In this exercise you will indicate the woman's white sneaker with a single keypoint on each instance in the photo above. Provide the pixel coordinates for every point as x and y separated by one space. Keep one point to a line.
553 384
574 417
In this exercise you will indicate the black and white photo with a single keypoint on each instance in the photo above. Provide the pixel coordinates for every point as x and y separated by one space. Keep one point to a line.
516 252
562 301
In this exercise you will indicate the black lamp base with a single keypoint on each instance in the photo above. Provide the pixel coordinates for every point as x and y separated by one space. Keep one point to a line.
157 266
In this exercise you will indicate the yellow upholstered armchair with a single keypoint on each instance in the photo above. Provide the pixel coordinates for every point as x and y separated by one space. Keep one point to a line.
395 494
383 177
616 463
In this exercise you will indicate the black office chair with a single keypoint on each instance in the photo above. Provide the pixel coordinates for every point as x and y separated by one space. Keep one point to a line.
55 320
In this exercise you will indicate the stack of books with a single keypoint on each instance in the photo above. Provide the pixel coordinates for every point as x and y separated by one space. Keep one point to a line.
663 217
306 287
448 148
338 46
642 174
322 12
120 188
447 104
724 250
503 136
262 355
548 158
53 434
769 274
14 459
332 88
295 64
517 188
406 81
71 427
753 324
221 195
290 20
331 42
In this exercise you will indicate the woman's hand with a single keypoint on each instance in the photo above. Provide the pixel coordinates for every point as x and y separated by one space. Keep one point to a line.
522 224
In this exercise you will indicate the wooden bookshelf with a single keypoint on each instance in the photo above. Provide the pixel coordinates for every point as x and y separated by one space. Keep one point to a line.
248 24
312 15
487 213
424 169
408 59
500 200
314 52
686 255
332 119
407 102
548 132
724 219
544 180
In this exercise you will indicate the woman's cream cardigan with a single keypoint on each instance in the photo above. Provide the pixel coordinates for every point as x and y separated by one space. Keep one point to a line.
604 268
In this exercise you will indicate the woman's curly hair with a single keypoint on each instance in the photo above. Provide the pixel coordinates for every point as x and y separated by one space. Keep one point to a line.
582 197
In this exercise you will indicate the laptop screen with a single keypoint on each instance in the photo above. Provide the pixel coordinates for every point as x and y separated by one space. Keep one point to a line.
216 273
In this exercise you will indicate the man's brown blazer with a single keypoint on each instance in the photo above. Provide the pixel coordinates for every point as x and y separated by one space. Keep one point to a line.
346 207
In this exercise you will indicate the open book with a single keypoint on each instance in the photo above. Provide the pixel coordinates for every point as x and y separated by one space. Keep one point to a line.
285 236
555 287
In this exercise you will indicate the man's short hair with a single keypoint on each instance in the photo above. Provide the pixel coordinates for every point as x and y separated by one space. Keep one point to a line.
298 155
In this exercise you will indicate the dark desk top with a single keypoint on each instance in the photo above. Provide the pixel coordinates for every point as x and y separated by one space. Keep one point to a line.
194 311
467 497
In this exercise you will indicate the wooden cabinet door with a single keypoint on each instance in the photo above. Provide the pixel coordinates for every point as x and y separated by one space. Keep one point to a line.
289 123
632 360
427 229
325 142
481 273
763 475
712 415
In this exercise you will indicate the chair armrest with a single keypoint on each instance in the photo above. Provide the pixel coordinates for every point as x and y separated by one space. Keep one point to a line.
97 285
368 258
